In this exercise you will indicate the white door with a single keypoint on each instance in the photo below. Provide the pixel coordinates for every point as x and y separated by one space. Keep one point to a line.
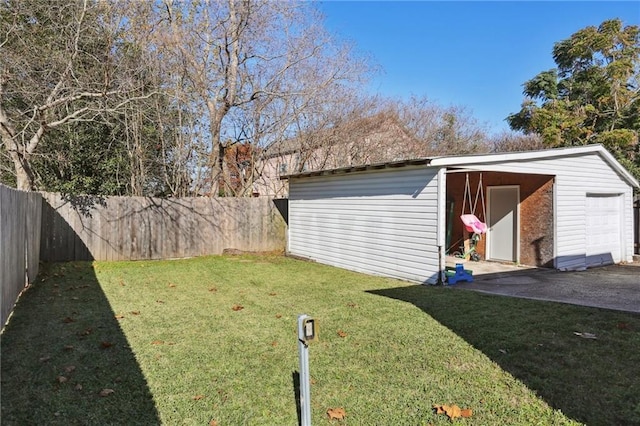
502 237
604 229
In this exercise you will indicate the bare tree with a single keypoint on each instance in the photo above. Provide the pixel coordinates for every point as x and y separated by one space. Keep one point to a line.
62 63
513 141
251 68
369 130
441 130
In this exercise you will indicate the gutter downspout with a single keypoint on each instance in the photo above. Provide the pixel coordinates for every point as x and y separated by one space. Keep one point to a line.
441 221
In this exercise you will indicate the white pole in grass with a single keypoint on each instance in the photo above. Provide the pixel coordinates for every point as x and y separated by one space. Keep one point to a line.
306 333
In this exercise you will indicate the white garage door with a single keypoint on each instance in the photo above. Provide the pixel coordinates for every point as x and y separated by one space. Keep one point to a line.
604 234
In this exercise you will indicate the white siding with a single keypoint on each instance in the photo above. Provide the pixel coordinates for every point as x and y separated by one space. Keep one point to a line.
379 222
576 176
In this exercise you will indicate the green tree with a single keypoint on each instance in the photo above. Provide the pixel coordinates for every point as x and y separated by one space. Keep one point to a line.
592 96
68 77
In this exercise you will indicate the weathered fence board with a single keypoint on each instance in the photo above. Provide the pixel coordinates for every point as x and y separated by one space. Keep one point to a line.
135 228
19 244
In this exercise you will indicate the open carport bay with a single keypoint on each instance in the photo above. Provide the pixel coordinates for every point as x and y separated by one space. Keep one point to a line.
611 287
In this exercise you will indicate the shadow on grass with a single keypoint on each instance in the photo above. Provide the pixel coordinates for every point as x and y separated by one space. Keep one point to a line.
590 380
62 348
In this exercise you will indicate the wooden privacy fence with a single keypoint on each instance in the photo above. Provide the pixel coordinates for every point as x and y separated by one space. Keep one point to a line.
19 244
136 228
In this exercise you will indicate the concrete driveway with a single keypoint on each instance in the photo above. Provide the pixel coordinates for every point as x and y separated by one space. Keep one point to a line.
610 287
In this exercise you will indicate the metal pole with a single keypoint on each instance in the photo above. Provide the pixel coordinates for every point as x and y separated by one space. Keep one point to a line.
305 390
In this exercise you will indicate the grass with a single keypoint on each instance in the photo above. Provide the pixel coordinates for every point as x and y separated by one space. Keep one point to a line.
165 338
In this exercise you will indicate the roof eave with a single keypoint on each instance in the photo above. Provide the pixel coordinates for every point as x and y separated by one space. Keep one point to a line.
360 168
466 160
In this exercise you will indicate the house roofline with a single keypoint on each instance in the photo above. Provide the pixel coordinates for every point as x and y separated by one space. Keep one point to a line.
465 160
361 168
470 159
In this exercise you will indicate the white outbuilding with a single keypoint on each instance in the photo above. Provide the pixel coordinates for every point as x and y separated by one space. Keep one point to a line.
567 208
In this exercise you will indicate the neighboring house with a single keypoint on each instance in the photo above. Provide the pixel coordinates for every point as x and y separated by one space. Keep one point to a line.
357 142
568 208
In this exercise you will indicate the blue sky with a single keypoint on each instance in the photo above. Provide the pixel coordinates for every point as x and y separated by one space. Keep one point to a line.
474 54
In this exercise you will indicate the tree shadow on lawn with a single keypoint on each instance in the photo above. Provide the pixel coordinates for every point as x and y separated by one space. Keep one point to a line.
595 381
65 359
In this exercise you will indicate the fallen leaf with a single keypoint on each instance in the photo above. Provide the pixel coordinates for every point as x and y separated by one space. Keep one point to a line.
278 316
62 379
585 335
237 307
213 289
313 381
159 301
106 392
45 358
452 411
624 326
213 422
274 343
157 342
78 387
273 294
135 312
336 413
68 348
342 333
87 332
352 305
198 397
67 320
172 285
105 344
119 316
70 368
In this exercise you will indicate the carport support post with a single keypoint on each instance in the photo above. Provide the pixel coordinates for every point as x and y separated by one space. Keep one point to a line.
305 389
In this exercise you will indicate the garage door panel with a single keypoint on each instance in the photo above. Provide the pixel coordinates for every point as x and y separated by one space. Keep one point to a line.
604 226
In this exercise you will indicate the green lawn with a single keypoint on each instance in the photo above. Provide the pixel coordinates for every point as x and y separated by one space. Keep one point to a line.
165 338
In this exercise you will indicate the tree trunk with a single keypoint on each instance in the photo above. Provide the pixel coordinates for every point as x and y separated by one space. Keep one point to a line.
215 161
24 177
